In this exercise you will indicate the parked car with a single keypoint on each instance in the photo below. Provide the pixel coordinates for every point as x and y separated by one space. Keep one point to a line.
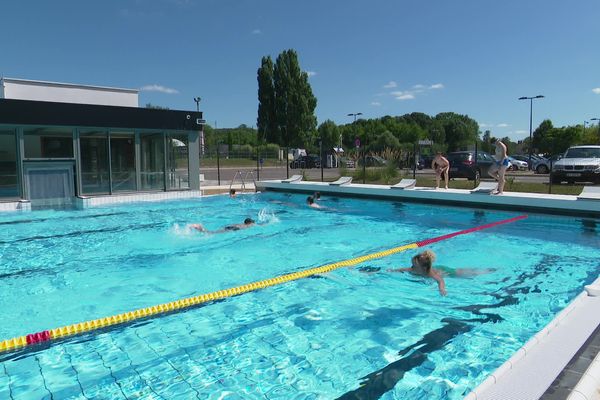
579 164
543 166
516 164
372 161
463 165
306 162
525 157
427 160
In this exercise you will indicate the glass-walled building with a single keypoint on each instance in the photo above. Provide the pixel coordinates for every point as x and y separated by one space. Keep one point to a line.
58 151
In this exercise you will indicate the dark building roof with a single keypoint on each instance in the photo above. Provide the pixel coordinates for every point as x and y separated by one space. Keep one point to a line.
27 112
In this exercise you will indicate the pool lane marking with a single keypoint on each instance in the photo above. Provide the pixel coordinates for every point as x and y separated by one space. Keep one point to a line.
96 324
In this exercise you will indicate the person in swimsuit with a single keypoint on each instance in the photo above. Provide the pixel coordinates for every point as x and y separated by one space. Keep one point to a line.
498 169
441 165
422 265
248 222
232 193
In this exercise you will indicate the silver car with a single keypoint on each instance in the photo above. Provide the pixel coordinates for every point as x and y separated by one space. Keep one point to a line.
579 164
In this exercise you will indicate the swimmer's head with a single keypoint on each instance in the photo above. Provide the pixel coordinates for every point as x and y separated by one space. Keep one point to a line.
423 261
317 195
310 200
248 221
232 193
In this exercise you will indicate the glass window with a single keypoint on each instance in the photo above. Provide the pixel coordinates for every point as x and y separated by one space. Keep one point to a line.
94 162
48 143
8 165
177 162
152 172
122 161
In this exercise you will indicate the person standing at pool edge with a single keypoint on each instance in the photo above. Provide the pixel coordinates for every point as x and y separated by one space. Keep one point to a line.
441 165
498 169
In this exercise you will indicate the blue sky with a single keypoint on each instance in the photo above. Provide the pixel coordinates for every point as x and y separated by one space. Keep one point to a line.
377 57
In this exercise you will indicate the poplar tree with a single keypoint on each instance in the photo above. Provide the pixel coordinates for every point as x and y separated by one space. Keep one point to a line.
293 103
266 122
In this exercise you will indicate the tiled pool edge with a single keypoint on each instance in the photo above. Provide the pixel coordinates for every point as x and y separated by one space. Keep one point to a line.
587 387
92 201
9 206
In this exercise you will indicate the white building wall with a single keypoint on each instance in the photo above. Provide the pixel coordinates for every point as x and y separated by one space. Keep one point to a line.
20 89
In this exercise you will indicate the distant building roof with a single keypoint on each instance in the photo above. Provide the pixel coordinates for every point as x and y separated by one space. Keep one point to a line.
24 89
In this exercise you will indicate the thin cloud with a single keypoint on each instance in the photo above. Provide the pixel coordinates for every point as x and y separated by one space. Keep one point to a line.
483 125
158 88
521 132
503 125
375 103
256 32
390 85
596 90
310 73
415 90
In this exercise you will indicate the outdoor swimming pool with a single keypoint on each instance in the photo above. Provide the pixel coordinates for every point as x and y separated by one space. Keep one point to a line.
353 332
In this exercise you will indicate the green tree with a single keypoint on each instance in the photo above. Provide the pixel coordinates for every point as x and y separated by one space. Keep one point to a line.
155 107
330 134
386 140
266 122
486 140
460 130
563 138
294 101
542 137
590 135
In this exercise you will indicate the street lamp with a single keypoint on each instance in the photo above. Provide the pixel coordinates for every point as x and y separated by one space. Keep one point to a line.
354 115
197 100
539 96
363 151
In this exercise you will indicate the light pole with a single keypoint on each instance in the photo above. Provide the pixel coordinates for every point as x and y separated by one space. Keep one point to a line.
539 96
363 151
197 100
321 155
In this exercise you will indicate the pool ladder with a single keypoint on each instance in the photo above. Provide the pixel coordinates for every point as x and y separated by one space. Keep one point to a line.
245 176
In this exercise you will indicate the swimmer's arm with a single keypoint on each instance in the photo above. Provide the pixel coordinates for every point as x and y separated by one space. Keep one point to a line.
400 270
440 281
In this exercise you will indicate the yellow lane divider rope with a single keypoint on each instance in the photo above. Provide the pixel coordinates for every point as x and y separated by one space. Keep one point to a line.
88 326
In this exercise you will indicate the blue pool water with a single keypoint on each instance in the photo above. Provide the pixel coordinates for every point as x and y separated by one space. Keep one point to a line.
353 333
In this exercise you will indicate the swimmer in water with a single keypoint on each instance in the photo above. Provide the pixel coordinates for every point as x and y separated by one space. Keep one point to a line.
248 222
422 265
310 201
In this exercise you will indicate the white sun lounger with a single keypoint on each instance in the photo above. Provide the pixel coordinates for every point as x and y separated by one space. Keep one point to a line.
405 184
344 180
486 188
589 193
291 179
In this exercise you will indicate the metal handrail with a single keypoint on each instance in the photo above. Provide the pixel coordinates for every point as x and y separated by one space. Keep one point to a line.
243 179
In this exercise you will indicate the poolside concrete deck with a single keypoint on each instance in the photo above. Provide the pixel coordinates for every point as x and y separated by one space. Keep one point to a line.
534 202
